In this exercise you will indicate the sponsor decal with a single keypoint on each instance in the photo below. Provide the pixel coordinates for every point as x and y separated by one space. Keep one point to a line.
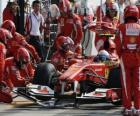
99 69
131 29
106 73
132 39
132 46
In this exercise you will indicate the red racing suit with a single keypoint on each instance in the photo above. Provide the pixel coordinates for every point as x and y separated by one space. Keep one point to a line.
2 60
99 41
15 77
61 60
58 60
5 95
19 41
8 14
101 11
71 26
128 48
113 23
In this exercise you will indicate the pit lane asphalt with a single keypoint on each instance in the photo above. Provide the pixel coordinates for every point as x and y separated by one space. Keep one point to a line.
23 107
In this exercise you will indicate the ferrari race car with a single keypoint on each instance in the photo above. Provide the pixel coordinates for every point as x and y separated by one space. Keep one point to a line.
84 80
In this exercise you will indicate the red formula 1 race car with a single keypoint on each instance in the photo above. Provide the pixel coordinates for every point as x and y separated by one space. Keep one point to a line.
84 80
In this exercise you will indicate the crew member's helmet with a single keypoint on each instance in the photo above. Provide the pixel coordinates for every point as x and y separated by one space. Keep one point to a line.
9 25
22 56
5 35
64 43
131 12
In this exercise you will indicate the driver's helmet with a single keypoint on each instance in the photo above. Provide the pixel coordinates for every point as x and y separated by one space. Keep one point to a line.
102 56
9 25
22 56
64 43
5 35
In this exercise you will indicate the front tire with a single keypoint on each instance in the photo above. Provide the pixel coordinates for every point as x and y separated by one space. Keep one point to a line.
44 74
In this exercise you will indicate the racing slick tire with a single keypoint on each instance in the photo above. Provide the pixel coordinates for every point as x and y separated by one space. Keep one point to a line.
44 74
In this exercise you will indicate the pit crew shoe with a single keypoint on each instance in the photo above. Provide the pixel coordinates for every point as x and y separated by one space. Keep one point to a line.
127 112
136 112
